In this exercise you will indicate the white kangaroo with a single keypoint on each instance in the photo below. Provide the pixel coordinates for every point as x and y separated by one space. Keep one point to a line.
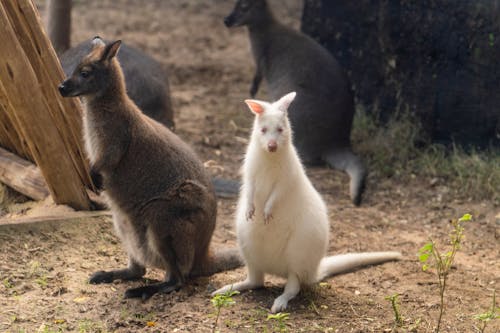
281 220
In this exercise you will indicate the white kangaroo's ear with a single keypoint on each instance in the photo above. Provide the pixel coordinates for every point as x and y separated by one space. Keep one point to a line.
284 102
255 106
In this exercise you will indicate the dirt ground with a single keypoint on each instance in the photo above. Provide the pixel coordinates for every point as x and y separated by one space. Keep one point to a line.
44 267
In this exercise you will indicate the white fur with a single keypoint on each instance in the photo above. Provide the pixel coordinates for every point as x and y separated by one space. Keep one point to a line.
281 221
90 138
97 41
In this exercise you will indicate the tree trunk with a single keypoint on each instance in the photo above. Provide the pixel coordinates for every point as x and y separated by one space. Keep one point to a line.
59 24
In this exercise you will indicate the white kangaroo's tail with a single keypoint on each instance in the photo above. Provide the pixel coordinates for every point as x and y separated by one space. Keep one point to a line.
348 262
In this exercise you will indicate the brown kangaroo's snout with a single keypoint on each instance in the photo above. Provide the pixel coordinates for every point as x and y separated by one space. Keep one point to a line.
244 11
66 88
229 21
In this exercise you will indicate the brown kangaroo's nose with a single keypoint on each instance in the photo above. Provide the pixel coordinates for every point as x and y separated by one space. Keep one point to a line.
228 21
63 90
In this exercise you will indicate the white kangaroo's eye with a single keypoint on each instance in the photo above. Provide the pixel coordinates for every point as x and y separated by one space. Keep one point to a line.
263 130
279 129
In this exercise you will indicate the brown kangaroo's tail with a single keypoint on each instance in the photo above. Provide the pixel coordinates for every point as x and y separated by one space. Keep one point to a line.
219 261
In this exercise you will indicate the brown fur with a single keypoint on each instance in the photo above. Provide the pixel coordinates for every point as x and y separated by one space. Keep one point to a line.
163 203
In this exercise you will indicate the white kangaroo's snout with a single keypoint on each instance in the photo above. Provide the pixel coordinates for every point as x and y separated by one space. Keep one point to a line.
272 146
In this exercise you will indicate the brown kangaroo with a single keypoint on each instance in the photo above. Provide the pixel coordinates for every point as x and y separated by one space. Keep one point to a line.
147 85
321 116
162 201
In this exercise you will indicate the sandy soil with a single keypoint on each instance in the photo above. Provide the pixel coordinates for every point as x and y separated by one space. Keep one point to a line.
44 267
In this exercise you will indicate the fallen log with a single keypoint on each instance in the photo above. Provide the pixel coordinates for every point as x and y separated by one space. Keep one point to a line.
23 176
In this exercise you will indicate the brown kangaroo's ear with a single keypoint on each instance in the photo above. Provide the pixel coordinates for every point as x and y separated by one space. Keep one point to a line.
111 50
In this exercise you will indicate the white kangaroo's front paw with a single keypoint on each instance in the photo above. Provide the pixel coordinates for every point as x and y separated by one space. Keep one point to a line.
268 216
250 212
279 305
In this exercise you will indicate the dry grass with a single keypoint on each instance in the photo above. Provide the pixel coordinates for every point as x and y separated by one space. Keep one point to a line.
396 150
10 200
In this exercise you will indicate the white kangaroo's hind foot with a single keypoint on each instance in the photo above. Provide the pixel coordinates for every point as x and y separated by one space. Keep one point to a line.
292 288
254 280
239 286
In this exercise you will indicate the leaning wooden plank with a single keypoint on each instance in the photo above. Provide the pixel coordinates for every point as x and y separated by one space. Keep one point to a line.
31 111
65 112
22 176
66 216
5 139
9 137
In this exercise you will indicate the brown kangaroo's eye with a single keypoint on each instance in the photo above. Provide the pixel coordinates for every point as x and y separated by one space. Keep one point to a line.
84 74
263 130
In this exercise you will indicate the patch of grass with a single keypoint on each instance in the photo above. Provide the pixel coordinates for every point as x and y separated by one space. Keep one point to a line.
492 314
313 296
89 326
44 328
38 273
7 283
8 198
388 147
397 149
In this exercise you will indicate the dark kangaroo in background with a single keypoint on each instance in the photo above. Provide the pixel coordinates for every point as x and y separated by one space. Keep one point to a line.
322 114
163 203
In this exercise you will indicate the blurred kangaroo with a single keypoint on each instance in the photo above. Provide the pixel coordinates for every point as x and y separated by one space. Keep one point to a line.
322 115
163 203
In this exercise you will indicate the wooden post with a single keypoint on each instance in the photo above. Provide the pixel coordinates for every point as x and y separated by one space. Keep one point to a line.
22 176
50 125
59 24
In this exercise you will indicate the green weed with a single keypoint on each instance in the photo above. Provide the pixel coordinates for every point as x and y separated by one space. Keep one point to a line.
431 257
398 318
280 318
220 301
492 314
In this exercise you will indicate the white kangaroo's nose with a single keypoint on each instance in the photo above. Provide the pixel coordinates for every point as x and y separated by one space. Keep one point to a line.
272 146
